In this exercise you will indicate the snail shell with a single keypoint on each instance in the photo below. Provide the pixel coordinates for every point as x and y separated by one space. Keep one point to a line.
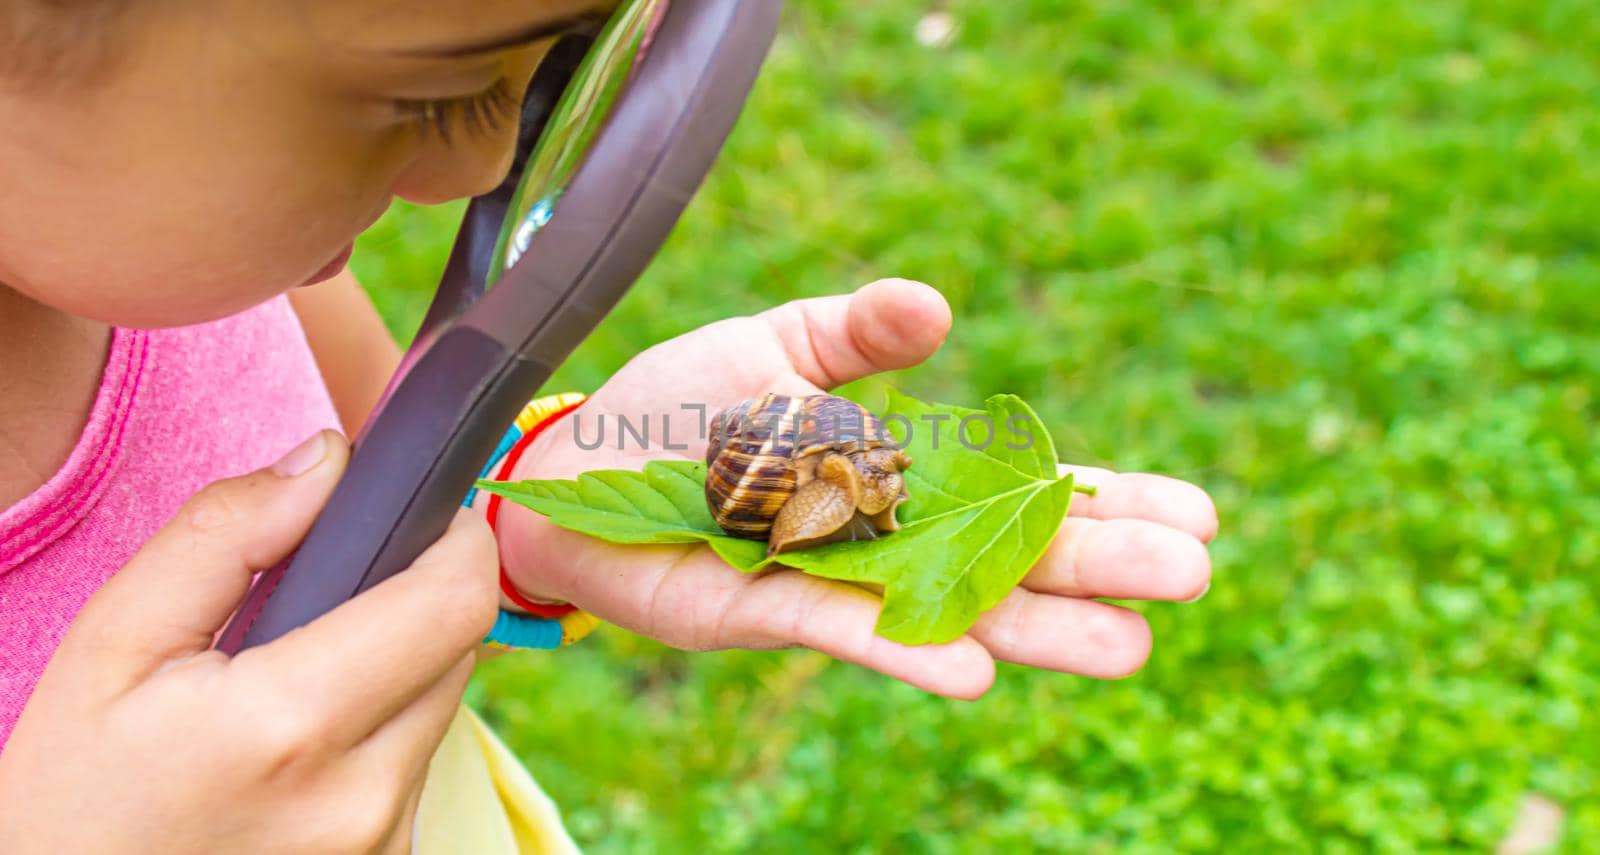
803 471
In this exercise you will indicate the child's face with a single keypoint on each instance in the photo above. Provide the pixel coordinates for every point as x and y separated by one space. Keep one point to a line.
235 148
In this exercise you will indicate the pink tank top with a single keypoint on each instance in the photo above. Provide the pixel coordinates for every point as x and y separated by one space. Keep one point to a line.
176 410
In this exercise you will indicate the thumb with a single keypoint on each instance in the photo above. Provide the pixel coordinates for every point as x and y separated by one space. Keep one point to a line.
170 600
887 325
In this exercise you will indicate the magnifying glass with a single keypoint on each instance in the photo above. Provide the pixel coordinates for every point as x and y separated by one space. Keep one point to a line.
619 129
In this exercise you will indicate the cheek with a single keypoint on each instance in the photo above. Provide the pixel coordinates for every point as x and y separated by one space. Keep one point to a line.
172 244
194 185
161 270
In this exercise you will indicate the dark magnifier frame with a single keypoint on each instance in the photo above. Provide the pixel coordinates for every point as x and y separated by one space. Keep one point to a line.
609 167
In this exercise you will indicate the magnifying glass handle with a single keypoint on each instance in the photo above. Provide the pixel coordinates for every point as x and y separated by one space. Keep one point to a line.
393 502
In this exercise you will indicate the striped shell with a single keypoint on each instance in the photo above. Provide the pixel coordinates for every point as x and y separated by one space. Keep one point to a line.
760 450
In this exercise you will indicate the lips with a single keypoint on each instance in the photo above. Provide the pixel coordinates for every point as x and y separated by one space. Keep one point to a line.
343 258
333 267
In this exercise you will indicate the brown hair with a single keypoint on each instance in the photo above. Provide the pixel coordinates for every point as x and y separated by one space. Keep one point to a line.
45 42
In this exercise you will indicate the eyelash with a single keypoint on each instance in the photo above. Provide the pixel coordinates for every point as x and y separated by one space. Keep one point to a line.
482 114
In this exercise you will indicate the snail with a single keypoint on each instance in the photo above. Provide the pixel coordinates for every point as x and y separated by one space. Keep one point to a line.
803 471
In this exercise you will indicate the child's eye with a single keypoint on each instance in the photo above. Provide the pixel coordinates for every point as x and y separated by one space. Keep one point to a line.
481 114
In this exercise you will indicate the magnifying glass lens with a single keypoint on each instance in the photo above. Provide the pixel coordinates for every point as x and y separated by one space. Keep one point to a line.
563 142
572 92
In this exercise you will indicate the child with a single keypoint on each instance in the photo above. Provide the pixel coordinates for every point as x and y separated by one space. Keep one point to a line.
168 172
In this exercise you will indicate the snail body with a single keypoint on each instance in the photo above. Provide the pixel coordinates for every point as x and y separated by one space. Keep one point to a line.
799 472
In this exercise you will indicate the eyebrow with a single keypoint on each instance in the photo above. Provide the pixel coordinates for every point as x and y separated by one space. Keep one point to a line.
525 35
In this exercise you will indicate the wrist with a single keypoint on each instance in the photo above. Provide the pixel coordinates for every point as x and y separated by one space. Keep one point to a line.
523 592
527 620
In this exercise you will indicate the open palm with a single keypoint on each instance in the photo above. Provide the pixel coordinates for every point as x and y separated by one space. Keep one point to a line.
1140 537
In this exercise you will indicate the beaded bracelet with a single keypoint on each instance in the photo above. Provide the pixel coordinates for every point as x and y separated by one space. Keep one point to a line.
548 626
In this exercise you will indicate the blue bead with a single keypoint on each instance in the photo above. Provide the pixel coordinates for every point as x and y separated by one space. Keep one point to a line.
526 631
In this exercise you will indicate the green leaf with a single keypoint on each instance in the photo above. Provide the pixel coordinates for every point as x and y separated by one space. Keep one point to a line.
665 503
986 501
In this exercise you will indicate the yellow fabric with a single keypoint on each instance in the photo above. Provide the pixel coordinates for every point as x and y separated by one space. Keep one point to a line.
479 800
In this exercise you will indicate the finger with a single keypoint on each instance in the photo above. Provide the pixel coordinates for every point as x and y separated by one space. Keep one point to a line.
787 607
687 597
403 839
378 784
890 324
1084 637
1150 497
402 748
185 582
371 657
1128 559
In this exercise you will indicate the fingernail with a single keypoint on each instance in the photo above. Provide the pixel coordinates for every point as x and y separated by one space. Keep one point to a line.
1200 596
305 456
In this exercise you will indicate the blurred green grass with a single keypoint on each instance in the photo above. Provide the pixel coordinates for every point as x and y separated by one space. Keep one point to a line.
1334 261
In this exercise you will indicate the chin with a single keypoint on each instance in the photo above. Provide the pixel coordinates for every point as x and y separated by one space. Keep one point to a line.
105 292
195 305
